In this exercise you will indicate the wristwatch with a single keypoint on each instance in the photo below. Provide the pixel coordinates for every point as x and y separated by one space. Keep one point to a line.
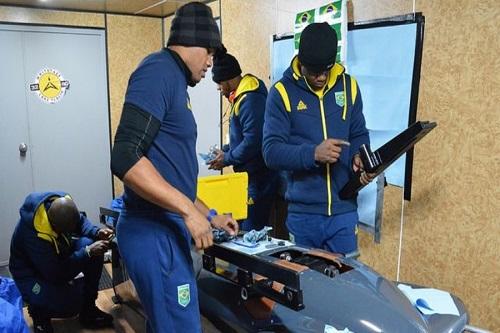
211 214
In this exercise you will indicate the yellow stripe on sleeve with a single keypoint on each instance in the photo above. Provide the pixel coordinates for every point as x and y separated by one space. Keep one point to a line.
354 89
284 96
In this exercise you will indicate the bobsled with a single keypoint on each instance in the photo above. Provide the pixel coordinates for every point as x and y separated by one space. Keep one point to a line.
278 286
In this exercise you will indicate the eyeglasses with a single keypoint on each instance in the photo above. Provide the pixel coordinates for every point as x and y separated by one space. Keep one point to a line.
315 74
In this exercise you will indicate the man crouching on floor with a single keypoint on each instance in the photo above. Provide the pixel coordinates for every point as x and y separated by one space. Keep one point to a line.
52 243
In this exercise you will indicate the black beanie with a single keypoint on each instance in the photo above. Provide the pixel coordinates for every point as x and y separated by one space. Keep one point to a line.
226 67
194 25
318 47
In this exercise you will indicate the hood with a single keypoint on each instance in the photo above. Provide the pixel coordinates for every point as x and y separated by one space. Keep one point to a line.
34 214
249 83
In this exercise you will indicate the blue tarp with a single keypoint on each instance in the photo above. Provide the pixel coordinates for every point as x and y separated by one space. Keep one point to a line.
11 308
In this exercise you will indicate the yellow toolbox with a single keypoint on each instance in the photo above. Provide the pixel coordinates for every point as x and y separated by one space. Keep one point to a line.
225 193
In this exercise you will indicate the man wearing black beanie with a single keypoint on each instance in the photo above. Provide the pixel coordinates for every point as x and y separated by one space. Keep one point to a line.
314 126
154 154
247 97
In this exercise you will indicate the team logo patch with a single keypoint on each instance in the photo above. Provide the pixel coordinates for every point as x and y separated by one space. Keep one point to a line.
250 201
339 98
50 85
36 289
189 104
183 295
301 106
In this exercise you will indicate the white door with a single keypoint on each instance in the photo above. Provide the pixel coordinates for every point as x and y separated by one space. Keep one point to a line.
15 167
67 134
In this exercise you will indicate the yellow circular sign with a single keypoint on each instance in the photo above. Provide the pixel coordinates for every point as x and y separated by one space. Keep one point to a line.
50 86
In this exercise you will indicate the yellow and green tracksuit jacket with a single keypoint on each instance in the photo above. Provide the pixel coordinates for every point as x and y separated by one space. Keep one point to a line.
245 127
297 119
37 251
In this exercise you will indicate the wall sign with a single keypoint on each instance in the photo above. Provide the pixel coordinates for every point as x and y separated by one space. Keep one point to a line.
50 85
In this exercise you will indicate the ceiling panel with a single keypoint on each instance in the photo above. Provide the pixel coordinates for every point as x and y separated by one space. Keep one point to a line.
165 9
157 8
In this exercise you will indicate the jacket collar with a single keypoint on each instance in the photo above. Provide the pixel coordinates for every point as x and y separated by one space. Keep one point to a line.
182 65
41 222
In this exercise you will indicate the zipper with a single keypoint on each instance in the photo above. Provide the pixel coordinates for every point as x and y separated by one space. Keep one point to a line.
325 136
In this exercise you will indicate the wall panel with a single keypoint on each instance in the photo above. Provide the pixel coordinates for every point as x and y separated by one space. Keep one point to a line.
130 39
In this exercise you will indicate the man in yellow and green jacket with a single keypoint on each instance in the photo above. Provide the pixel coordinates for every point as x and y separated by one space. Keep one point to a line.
52 243
313 128
247 97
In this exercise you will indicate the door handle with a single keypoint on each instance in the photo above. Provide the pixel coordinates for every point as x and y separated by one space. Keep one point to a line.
23 148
